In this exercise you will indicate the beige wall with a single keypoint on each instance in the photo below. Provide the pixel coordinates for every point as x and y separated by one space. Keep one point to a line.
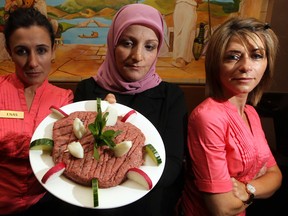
274 12
260 9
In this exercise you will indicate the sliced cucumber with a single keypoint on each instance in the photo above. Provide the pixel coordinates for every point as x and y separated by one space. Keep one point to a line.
95 192
152 152
44 144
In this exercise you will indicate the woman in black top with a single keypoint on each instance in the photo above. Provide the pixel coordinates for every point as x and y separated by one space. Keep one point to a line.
129 73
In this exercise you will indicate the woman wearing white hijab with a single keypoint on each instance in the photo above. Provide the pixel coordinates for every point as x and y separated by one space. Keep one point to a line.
129 73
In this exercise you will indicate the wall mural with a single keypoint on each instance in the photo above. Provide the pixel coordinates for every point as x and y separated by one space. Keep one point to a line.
188 23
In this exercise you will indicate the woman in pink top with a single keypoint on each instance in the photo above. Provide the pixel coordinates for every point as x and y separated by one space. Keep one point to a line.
26 95
229 162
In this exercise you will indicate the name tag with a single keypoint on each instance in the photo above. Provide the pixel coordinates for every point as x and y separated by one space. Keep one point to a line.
11 114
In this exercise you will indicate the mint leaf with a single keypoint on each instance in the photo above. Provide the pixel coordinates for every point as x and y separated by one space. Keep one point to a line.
102 138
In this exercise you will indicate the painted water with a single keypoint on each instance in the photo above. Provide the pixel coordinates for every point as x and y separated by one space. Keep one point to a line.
71 36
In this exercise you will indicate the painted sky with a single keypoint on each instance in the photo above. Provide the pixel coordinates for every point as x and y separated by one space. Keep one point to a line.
54 2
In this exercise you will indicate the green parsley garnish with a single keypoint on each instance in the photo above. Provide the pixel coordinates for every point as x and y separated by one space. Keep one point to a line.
101 137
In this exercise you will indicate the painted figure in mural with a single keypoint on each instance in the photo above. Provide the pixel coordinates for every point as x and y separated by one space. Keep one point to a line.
129 72
185 20
11 5
27 94
40 5
229 161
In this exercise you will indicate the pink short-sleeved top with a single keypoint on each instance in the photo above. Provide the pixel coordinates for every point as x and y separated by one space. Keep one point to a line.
19 189
222 146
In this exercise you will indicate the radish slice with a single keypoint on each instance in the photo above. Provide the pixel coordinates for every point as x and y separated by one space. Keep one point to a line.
122 148
112 116
54 172
139 176
127 115
76 149
58 111
78 128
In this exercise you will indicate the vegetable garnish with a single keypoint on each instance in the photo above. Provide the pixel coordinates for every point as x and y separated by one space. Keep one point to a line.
152 152
127 115
140 177
78 128
95 192
54 172
44 144
76 149
122 148
60 113
101 138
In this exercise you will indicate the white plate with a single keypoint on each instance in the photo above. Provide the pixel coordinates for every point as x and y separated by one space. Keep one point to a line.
82 196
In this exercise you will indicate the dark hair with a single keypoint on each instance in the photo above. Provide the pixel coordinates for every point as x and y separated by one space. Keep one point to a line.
242 29
25 18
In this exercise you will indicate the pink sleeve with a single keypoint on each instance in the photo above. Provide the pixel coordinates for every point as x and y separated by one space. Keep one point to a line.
207 148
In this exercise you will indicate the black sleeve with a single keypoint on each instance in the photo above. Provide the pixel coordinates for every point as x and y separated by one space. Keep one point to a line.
175 134
88 89
81 92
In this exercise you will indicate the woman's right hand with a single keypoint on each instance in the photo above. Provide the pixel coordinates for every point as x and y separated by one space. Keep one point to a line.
110 98
239 190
